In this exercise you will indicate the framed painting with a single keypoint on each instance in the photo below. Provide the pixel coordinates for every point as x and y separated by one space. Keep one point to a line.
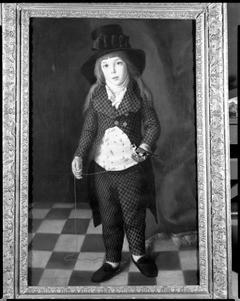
51 244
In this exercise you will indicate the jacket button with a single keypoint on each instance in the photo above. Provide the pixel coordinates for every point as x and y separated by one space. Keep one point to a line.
116 122
127 114
124 123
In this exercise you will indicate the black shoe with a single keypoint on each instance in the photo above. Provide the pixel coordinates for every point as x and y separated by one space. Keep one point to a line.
146 266
106 272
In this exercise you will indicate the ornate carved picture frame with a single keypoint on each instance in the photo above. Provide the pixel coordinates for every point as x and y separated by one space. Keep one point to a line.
213 168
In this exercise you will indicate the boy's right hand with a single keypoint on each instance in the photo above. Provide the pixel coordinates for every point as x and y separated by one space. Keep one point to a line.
77 167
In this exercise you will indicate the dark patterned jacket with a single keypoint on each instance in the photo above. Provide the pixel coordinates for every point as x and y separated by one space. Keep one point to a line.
132 114
137 118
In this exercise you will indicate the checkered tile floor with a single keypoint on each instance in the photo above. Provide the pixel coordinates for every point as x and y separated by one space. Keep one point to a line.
59 257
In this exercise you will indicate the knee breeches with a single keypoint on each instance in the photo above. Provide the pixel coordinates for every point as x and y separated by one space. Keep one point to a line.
122 210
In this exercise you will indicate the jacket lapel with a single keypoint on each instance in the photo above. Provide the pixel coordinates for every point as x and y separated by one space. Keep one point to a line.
131 101
102 104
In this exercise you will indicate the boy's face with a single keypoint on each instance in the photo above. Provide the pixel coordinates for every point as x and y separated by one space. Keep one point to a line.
114 70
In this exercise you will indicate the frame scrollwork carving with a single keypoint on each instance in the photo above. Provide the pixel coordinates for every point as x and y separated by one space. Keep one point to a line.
212 146
9 147
219 128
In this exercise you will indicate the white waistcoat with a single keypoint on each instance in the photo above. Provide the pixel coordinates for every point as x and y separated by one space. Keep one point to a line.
115 150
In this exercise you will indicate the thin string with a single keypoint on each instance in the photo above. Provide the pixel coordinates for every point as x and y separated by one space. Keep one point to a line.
104 171
75 229
94 173
75 226
75 221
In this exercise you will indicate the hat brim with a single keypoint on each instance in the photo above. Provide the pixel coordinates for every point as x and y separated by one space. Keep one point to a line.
137 56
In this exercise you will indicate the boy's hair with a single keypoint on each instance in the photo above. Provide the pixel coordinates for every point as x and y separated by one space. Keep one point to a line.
132 71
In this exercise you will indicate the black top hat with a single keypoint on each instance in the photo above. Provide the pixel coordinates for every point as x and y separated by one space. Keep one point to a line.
110 38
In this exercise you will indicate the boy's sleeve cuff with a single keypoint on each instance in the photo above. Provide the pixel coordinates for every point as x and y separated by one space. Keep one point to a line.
146 147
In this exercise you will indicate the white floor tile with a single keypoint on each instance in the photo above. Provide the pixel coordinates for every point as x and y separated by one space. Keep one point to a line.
189 259
63 205
51 226
81 213
94 230
162 245
119 280
55 277
132 267
89 261
36 213
125 245
38 259
170 278
235 285
69 243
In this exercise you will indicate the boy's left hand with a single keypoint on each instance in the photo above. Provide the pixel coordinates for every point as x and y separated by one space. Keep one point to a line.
140 154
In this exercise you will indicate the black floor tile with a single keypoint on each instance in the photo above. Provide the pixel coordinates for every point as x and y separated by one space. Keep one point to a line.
188 247
167 260
58 260
81 278
43 242
34 275
125 261
33 225
82 205
42 205
191 277
58 213
126 256
81 226
136 278
30 206
93 243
